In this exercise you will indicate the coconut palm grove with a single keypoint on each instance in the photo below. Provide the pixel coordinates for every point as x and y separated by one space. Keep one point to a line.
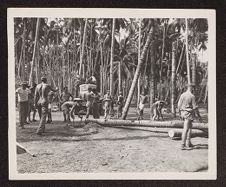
119 81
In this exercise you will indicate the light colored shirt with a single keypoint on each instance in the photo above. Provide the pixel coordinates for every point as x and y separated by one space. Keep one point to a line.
187 101
23 94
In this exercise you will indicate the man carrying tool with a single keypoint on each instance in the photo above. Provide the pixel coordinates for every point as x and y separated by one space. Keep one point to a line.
187 108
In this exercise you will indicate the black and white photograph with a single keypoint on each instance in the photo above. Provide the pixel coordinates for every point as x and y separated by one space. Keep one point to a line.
111 93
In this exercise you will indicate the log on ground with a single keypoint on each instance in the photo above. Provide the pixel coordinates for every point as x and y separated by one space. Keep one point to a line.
177 133
146 123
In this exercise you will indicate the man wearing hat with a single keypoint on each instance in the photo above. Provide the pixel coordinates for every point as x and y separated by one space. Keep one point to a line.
41 102
187 108
23 92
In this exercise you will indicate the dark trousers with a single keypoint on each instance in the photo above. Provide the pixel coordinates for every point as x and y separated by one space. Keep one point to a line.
96 112
49 116
23 111
43 107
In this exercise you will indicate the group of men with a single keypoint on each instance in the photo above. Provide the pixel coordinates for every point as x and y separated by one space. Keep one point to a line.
40 97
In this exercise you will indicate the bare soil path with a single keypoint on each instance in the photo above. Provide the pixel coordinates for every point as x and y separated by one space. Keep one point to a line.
93 148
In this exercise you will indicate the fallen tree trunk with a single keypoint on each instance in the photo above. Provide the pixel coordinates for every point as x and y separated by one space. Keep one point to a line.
177 133
146 123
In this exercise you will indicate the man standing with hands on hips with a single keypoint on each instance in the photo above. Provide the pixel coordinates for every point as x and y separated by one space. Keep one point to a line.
187 108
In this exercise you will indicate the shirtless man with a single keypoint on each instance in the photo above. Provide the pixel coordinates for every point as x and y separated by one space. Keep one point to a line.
107 104
120 104
69 108
65 96
157 110
41 102
143 100
31 103
89 97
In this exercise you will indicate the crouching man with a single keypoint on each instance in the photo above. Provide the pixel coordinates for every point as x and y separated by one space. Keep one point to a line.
157 110
187 108
69 108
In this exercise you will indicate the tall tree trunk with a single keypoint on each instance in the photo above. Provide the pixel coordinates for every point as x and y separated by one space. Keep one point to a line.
119 76
21 67
139 49
34 52
152 77
137 73
162 56
173 79
187 57
180 59
82 48
194 68
101 71
112 56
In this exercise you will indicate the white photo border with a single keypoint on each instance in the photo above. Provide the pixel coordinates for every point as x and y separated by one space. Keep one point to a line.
209 14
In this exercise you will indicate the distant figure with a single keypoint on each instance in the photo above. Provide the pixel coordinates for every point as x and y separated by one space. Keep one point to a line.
91 80
23 93
187 108
41 102
120 103
107 104
50 99
143 99
157 109
31 102
69 108
65 96
96 105
89 101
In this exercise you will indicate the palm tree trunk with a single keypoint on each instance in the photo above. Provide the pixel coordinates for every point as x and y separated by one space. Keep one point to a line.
194 68
180 59
187 57
137 73
119 77
139 48
82 48
162 56
112 56
173 79
152 78
34 52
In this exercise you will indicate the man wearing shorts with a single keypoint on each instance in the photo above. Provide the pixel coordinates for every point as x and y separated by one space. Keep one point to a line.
187 107
143 100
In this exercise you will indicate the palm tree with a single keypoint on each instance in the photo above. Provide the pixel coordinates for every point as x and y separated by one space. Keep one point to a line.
34 52
138 69
82 49
112 56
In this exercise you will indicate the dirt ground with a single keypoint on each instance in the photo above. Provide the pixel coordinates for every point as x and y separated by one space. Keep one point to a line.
93 148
